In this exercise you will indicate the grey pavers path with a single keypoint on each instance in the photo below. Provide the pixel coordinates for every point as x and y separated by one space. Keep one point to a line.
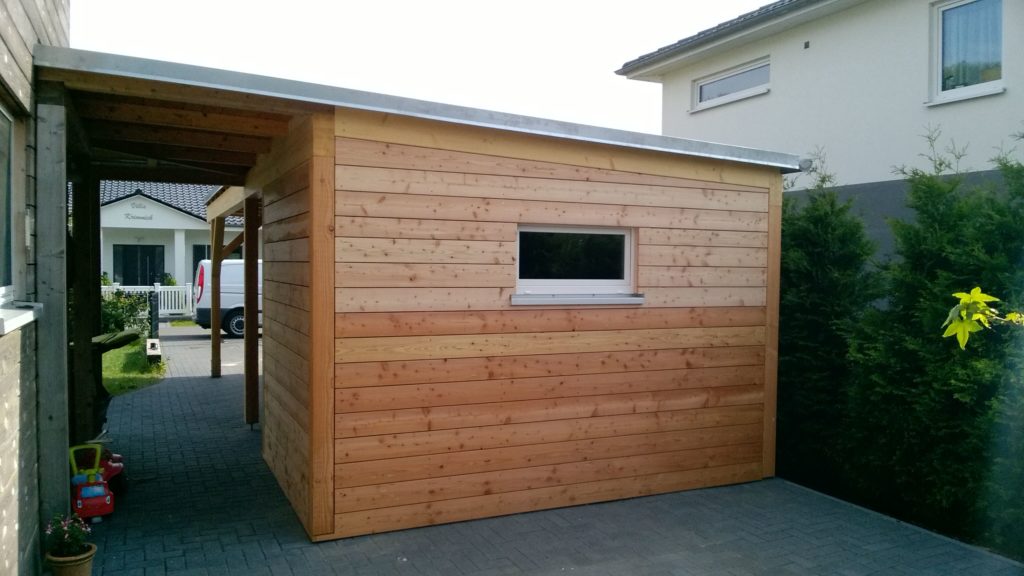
201 501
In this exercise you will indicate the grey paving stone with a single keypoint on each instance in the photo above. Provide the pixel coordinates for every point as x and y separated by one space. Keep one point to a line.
202 502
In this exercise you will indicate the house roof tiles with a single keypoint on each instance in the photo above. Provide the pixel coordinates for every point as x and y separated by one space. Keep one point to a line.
187 198
738 24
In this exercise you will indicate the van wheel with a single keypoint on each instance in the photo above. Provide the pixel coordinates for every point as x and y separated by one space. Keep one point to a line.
234 324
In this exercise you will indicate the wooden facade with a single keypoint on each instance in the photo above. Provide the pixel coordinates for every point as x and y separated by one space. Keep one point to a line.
402 387
34 396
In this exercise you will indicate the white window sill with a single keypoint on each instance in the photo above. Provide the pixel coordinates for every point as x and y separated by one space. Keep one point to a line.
14 315
730 99
580 299
968 93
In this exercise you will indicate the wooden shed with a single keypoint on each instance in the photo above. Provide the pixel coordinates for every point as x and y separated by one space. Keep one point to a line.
414 374
470 314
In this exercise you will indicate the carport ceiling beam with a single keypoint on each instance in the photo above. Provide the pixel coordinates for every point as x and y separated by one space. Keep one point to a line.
101 130
228 201
176 175
153 114
173 153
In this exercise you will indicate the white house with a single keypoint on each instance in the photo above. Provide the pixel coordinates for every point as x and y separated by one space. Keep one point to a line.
862 80
151 229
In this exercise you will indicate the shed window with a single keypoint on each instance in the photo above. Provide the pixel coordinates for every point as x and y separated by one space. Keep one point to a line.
967 49
582 263
734 84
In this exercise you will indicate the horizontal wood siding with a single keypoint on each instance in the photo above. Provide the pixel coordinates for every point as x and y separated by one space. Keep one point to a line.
297 182
286 329
451 404
23 25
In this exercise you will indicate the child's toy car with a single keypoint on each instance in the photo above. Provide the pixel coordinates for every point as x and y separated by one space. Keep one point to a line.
89 461
93 469
93 499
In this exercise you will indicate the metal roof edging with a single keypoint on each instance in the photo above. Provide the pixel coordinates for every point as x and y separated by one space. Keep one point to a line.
295 90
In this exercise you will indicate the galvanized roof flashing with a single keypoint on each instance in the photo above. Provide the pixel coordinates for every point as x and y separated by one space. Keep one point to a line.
291 90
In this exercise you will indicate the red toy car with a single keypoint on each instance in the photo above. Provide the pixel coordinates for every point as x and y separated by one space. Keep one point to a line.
93 499
93 470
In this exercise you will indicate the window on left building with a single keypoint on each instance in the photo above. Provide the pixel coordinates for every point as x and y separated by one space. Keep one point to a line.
6 255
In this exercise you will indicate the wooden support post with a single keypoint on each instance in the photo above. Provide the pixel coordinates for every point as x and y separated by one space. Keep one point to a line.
216 256
771 349
51 289
252 306
88 396
321 329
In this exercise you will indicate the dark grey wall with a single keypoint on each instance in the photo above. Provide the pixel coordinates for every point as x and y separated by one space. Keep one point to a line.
878 202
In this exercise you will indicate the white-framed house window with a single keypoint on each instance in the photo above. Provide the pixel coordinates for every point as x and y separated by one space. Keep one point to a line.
574 265
6 208
13 314
967 49
744 81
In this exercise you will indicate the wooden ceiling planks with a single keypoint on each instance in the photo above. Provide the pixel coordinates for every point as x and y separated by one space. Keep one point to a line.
129 132
151 139
98 83
175 115
138 129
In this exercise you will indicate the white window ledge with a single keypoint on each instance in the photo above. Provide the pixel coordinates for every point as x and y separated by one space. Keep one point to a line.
14 315
961 94
569 299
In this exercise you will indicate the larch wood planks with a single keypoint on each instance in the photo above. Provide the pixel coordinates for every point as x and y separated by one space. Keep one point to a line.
451 403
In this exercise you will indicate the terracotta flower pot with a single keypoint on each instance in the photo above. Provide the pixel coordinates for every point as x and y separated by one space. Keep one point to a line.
80 565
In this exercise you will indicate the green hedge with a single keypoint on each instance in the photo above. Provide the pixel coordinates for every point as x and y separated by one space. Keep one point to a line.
826 285
874 405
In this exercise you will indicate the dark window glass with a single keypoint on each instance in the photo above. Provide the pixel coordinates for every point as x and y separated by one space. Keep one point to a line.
138 265
563 256
735 83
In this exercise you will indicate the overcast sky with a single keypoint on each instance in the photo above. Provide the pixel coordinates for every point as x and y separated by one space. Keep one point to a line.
547 58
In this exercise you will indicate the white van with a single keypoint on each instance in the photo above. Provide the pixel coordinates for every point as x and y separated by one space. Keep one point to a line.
232 295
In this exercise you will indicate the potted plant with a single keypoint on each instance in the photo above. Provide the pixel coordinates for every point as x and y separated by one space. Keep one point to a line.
67 552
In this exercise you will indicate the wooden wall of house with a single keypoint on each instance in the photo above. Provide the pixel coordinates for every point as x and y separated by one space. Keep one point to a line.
292 191
452 404
23 25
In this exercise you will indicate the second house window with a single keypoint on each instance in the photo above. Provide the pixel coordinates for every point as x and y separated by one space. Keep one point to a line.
734 84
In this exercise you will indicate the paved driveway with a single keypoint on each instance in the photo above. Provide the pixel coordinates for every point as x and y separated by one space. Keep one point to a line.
201 501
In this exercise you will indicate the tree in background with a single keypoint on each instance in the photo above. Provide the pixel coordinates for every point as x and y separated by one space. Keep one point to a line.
826 285
932 431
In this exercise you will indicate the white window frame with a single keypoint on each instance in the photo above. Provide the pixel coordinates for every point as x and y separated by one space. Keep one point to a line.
7 183
582 291
937 95
13 314
697 105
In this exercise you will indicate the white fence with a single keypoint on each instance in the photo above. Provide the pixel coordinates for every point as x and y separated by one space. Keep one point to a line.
174 300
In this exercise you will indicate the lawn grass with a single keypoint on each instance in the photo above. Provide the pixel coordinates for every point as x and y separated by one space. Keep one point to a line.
183 323
127 369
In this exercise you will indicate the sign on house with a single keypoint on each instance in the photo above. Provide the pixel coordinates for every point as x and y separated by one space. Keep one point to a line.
138 210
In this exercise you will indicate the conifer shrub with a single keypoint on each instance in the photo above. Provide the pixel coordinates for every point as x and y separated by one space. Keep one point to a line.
933 433
827 281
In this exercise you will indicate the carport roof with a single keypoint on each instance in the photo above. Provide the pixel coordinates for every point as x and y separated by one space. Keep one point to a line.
162 121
